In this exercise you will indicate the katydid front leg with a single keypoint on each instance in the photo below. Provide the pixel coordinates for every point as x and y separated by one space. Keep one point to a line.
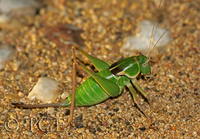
131 89
134 81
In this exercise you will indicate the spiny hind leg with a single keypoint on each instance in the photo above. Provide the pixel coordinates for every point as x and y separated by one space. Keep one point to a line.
134 81
110 87
73 84
98 63
130 87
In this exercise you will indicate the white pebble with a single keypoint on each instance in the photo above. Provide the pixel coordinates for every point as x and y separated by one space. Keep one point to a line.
8 5
45 90
65 95
140 42
50 110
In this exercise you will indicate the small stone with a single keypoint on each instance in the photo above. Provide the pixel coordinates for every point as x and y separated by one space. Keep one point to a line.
105 124
50 110
2 122
45 90
65 95
89 124
142 128
81 130
29 133
5 111
140 42
6 53
13 96
1 109
13 115
90 137
20 94
103 106
11 5
67 112
14 65
110 121
173 128
17 77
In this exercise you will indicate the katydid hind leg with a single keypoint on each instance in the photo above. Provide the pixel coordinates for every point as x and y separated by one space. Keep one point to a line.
98 63
131 89
111 88
73 85
134 81
60 104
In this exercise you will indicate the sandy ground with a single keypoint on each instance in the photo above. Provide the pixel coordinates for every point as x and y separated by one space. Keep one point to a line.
173 89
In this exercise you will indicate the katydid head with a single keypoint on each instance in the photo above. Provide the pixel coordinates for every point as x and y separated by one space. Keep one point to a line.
144 64
131 66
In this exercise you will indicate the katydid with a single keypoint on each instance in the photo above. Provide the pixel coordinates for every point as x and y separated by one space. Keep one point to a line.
108 82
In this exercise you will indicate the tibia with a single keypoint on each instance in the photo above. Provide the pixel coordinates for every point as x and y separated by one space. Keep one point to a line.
60 104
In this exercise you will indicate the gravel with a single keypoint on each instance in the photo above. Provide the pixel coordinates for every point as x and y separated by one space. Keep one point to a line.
173 88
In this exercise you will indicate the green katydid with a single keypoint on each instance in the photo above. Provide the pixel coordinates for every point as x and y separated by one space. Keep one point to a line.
108 82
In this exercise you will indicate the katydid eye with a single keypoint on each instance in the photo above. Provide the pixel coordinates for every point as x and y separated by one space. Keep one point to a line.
144 65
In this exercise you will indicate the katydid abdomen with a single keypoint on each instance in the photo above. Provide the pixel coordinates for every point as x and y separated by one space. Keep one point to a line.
90 93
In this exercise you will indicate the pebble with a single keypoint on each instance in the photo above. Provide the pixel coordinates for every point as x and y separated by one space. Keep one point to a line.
7 6
90 137
13 96
81 130
6 54
173 128
14 65
65 95
1 109
45 90
89 124
20 94
29 133
110 121
50 110
140 42
9 9
5 111
54 136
